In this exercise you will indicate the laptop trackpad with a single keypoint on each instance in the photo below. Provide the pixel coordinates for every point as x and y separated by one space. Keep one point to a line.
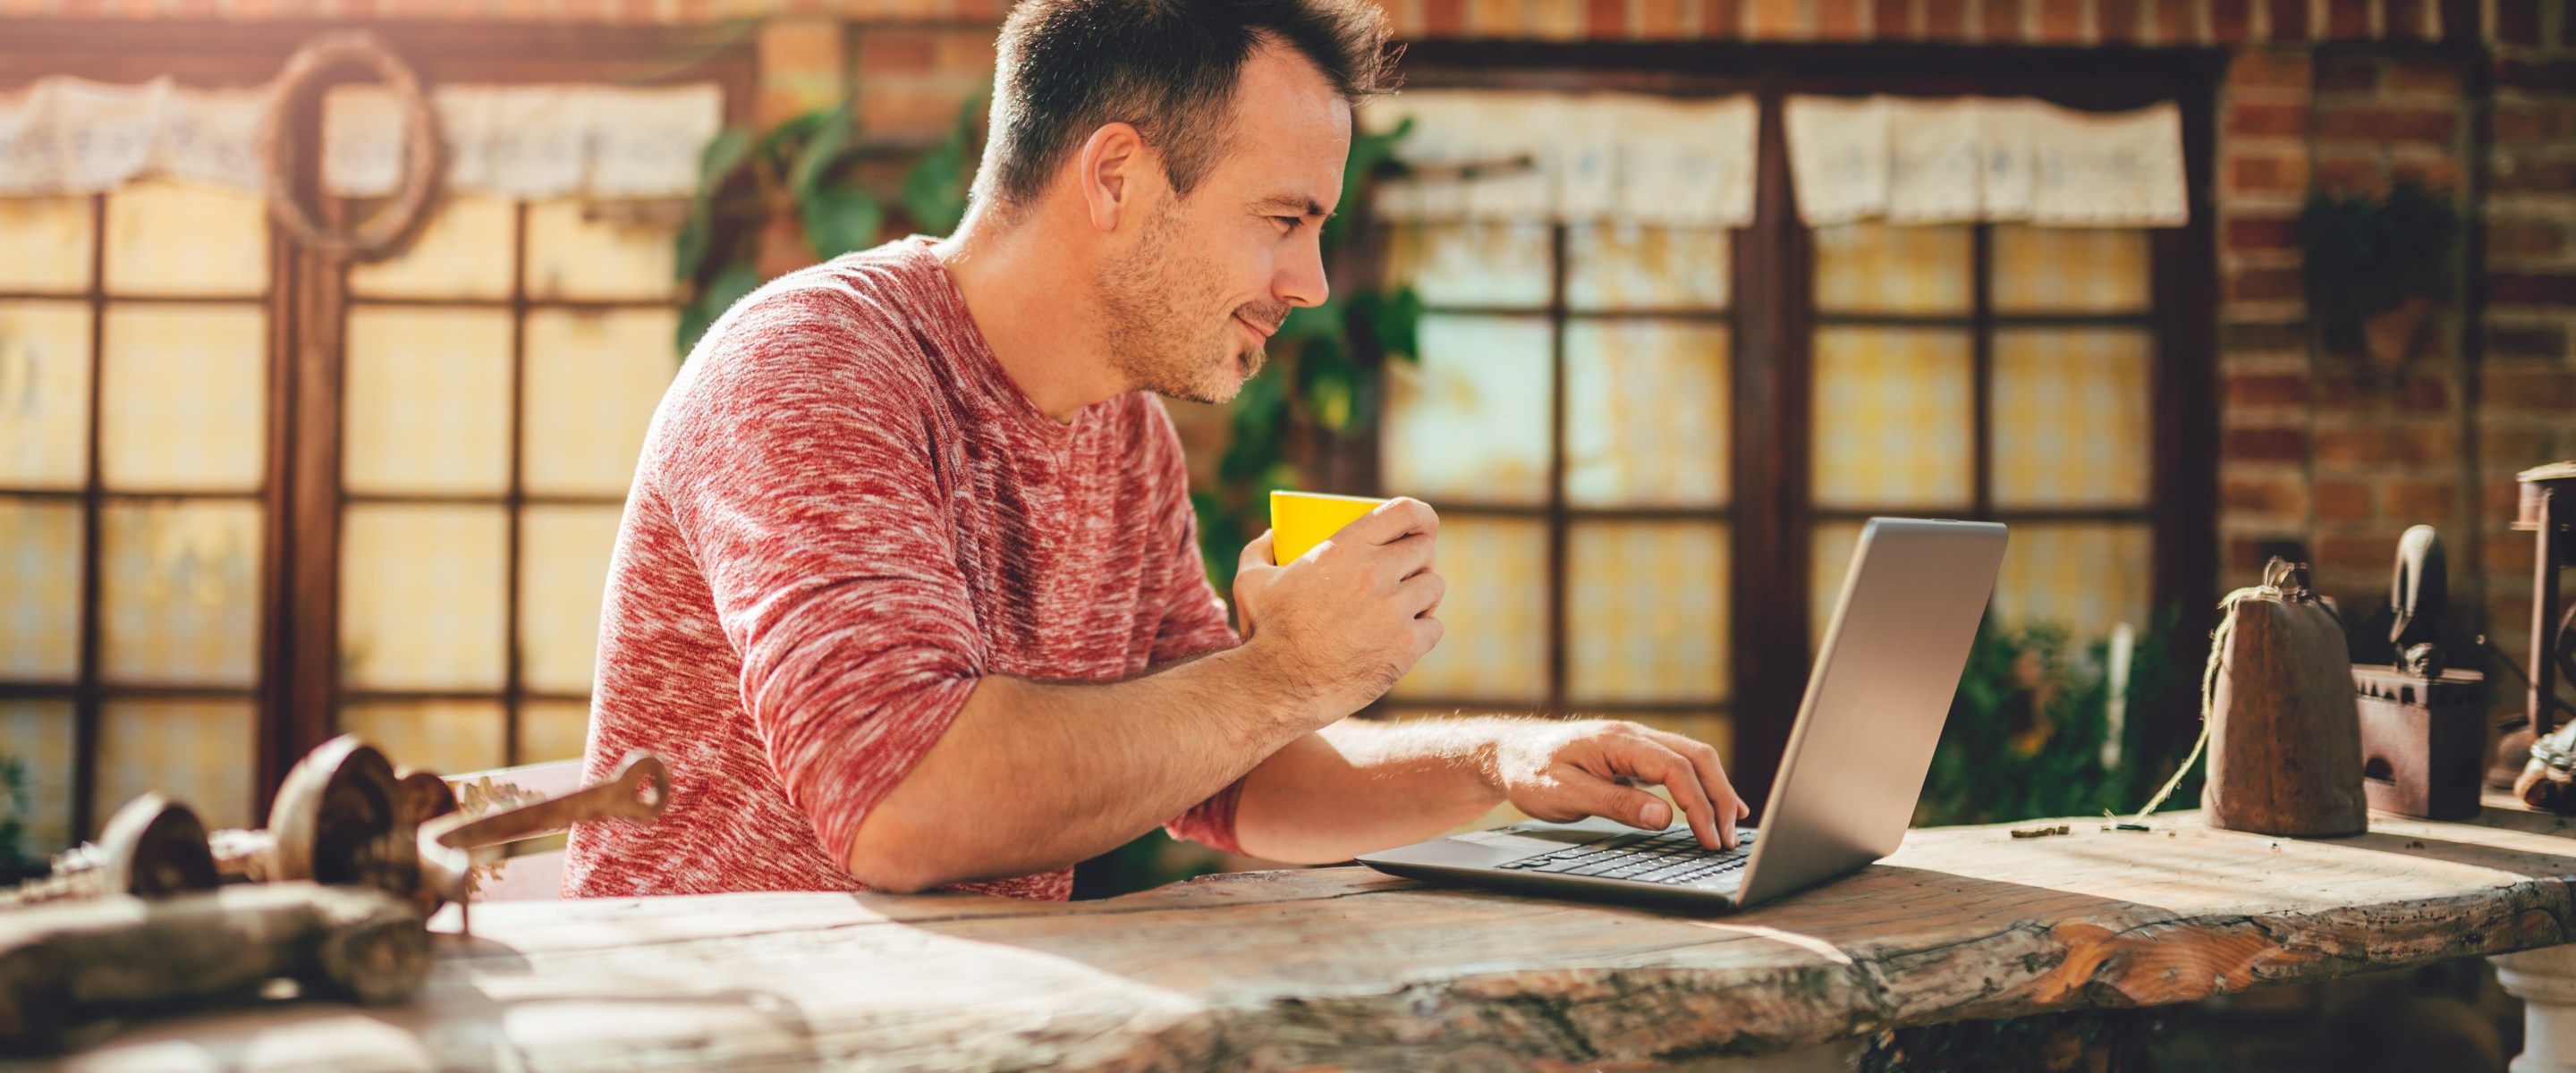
1522 840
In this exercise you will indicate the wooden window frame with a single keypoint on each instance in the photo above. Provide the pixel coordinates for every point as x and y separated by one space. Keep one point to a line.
513 499
1561 516
296 684
1773 317
89 691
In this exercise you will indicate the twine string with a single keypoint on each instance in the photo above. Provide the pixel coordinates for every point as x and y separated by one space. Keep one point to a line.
2278 584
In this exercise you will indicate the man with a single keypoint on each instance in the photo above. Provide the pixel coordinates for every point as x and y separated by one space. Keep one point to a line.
907 592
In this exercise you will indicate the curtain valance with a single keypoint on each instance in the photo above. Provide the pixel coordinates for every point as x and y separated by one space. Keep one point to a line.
72 136
1917 160
1535 155
1606 156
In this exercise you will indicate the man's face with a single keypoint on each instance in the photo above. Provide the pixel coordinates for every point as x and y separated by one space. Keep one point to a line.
1206 279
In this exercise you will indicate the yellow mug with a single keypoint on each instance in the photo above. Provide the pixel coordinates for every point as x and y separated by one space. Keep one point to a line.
1301 520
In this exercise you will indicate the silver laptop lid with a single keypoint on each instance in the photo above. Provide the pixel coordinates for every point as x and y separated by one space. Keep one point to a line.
1876 701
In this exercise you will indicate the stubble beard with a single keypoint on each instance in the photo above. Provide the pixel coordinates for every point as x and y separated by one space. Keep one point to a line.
1159 336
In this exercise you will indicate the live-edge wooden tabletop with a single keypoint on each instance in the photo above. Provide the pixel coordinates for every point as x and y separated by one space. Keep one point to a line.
1347 968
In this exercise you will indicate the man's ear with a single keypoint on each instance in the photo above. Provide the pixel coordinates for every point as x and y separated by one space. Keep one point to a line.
1112 174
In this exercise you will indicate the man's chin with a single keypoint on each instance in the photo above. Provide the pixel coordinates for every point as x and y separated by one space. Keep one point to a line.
1216 392
1216 387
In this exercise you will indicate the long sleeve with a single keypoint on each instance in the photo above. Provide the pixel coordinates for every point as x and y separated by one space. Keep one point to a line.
804 488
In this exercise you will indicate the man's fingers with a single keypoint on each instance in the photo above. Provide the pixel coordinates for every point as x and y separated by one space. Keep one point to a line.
1427 632
1391 521
1588 795
1421 594
1712 777
1649 758
1401 558
1257 553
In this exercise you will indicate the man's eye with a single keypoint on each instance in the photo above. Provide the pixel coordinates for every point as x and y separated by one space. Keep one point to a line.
1288 223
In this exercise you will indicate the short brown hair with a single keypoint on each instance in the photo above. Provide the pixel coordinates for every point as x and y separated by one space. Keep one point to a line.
1169 67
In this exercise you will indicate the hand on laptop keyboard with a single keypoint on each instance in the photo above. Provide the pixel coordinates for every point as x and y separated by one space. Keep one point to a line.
1566 771
1673 857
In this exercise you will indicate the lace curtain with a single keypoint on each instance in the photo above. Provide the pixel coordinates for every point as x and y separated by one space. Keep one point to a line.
72 136
1917 160
1611 157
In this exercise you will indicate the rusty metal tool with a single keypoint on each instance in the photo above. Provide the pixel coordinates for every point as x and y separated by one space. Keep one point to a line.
447 845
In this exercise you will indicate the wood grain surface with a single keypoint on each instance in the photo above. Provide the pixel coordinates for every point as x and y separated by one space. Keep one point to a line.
1345 968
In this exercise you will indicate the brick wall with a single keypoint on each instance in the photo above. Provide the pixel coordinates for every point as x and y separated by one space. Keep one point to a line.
2526 406
2224 23
2322 449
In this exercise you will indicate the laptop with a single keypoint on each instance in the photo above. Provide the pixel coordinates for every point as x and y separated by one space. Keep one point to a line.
1854 766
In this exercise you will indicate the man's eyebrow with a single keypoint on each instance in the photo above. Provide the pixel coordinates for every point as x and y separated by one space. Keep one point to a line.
1297 205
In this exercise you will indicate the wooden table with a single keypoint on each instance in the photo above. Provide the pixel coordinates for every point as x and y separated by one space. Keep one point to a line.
1343 967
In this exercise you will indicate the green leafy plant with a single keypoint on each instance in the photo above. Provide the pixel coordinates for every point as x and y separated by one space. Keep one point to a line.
2026 729
17 865
800 174
934 192
2368 255
1322 381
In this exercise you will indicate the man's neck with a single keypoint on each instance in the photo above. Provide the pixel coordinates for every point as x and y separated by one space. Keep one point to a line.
1030 296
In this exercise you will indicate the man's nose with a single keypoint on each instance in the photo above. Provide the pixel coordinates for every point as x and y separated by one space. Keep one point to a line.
1300 274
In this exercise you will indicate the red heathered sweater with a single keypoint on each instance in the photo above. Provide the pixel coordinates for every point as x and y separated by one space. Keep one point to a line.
845 514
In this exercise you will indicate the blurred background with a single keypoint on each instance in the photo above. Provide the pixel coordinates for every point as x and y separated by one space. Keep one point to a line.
311 422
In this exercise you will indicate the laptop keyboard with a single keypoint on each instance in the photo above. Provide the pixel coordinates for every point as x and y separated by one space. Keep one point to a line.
1673 857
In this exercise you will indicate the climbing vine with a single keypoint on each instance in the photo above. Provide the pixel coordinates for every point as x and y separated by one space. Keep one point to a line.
798 179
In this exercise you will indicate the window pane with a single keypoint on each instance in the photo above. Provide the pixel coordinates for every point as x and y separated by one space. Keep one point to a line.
40 579
1646 414
173 238
563 567
421 594
1495 616
186 398
1470 421
580 250
1893 423
44 394
552 730
2083 577
1476 263
2070 270
448 737
1646 611
45 244
593 381
38 735
2072 415
464 252
1829 557
428 401
195 752
1629 265
1882 268
179 599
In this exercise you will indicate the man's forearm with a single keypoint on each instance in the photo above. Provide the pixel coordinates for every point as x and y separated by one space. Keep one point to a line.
1358 786
1034 776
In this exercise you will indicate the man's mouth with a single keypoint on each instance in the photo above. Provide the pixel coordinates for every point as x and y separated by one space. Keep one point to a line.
1258 330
